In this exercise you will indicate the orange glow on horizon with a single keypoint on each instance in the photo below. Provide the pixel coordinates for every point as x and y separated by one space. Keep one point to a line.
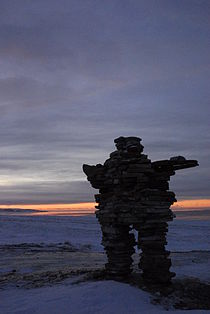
75 209
51 207
89 207
192 204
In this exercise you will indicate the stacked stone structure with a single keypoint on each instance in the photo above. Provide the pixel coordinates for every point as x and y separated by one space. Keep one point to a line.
134 194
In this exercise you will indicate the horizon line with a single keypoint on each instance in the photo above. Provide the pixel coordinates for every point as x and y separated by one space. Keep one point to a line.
179 205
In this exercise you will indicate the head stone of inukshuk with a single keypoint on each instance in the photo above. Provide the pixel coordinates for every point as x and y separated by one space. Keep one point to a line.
134 194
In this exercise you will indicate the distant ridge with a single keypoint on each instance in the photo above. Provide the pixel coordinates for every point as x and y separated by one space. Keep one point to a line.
20 210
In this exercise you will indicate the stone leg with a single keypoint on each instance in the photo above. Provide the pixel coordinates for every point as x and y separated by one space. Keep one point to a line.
154 259
118 244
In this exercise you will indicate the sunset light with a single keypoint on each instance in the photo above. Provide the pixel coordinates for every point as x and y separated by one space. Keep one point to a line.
104 156
55 209
197 204
89 207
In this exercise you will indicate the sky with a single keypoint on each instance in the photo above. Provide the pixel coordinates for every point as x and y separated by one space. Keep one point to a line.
77 74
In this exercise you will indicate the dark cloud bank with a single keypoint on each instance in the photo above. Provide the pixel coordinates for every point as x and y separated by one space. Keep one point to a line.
77 74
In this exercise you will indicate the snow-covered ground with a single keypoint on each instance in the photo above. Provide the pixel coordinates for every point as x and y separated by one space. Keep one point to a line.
102 297
78 230
189 242
183 235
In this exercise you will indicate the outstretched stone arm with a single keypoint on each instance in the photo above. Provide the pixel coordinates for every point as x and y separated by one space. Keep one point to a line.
90 171
174 163
95 174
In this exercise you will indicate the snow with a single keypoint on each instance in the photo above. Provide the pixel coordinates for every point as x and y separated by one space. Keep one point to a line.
189 242
102 297
183 235
188 235
81 230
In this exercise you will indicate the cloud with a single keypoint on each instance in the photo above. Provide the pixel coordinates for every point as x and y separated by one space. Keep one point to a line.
41 192
75 75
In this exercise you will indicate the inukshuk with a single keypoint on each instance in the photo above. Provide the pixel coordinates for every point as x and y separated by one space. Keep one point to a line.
134 194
